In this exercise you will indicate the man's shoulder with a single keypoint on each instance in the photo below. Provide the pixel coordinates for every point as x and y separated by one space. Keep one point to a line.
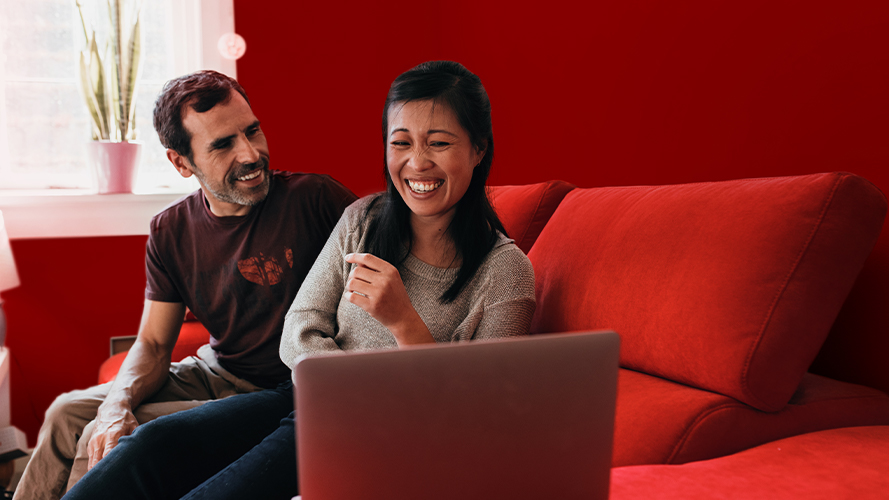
309 193
178 212
304 181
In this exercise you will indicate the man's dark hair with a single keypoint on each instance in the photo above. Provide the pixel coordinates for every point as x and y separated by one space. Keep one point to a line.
475 224
201 91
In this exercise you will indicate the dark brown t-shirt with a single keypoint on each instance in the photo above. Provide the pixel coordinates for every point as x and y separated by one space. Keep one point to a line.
239 275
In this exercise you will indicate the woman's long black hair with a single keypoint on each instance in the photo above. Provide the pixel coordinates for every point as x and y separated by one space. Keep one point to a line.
475 224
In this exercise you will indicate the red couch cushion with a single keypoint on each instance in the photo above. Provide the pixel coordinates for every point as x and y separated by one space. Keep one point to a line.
524 210
192 335
661 422
726 286
838 463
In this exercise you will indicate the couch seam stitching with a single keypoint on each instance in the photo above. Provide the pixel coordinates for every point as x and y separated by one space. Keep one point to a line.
780 292
696 423
536 209
726 406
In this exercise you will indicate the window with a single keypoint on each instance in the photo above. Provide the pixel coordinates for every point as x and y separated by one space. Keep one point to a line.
44 124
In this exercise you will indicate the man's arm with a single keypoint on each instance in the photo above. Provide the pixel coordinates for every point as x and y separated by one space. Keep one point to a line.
142 373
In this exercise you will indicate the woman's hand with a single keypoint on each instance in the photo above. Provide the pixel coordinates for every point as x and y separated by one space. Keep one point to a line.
375 286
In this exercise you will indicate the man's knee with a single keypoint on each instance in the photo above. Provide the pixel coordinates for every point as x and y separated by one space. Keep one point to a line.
73 410
160 433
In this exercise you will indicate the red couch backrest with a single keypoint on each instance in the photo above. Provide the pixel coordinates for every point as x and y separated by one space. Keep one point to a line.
524 210
727 286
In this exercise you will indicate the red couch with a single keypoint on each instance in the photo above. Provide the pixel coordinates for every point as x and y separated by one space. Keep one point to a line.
723 293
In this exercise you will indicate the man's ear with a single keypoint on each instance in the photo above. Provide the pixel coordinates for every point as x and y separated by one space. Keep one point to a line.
181 163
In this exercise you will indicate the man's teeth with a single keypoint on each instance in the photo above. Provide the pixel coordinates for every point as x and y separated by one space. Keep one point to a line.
250 176
424 187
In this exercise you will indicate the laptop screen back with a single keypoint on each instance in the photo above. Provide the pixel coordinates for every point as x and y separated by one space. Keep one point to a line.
520 418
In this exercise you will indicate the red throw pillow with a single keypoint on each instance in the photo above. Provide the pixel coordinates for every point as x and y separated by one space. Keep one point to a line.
524 210
728 286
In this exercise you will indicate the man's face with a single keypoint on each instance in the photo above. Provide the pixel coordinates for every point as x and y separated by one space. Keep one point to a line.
230 156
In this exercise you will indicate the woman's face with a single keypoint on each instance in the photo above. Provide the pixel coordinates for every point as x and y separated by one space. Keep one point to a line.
430 158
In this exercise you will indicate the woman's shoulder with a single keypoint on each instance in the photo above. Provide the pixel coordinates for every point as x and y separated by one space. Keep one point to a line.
359 212
505 249
506 262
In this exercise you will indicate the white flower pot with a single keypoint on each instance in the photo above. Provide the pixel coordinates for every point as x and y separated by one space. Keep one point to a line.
114 165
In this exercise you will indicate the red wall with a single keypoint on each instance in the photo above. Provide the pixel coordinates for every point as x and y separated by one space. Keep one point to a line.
616 93
611 93
76 293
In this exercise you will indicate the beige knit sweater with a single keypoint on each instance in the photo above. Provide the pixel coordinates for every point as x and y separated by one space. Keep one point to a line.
497 302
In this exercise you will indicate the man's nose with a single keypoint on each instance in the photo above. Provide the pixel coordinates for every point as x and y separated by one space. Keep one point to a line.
245 151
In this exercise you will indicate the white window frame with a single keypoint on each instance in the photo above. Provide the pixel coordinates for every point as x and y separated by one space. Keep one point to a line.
54 213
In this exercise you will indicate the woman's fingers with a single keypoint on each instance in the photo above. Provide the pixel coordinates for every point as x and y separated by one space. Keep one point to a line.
367 260
375 286
363 274
363 287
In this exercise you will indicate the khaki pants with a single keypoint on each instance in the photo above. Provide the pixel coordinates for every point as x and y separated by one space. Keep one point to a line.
60 458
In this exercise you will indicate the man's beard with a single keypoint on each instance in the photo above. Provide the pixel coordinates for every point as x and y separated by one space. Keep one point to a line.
228 190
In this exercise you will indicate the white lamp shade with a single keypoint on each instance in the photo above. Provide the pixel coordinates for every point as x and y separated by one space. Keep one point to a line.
9 278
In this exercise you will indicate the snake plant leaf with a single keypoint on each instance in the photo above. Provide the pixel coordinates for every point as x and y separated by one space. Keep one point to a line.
119 68
99 88
108 80
114 101
89 97
131 136
82 21
134 52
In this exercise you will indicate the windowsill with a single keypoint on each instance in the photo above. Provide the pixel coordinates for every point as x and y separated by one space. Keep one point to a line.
72 213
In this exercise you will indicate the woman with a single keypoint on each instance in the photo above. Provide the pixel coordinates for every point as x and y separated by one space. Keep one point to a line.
425 261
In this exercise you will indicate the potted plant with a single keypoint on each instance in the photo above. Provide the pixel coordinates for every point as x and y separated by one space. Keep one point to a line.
108 80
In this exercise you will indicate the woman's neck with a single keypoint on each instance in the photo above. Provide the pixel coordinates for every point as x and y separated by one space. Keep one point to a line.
431 242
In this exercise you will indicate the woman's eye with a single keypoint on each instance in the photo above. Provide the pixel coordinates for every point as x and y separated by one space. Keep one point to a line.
440 144
399 143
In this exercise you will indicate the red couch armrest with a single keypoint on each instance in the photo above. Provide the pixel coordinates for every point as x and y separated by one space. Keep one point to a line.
192 336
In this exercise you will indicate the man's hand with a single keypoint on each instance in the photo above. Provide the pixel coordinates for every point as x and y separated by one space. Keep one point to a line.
111 425
375 286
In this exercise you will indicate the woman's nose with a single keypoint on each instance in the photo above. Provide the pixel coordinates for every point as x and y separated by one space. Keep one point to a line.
419 160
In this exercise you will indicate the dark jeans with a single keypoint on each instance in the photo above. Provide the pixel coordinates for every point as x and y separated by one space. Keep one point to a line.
240 447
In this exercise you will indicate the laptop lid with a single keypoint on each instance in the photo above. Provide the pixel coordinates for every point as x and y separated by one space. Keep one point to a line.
520 418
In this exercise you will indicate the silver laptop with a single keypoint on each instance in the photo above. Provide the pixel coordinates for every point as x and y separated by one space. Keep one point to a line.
525 418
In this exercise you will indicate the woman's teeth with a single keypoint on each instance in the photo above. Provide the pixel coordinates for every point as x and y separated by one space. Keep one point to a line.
250 176
424 187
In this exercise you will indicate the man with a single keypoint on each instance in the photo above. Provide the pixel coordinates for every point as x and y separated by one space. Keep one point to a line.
234 252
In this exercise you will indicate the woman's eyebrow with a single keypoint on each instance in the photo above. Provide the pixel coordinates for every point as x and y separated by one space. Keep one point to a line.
439 131
428 132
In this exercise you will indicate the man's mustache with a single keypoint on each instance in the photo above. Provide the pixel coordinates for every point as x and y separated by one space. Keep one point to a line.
246 168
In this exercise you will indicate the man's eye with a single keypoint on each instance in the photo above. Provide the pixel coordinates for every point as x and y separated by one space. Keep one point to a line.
222 145
252 131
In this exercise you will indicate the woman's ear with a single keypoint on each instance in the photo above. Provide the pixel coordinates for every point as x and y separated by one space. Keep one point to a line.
480 154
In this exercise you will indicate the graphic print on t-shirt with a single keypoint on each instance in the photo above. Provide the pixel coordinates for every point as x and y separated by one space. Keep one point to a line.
263 270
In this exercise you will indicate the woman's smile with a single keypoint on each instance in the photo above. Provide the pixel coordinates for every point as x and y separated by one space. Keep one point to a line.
424 187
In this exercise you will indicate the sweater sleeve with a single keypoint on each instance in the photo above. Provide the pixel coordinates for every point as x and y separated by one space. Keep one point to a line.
310 326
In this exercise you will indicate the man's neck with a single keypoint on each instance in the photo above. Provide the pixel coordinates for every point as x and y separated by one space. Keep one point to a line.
222 208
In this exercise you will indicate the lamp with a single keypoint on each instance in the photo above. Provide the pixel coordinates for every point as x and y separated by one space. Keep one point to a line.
9 278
